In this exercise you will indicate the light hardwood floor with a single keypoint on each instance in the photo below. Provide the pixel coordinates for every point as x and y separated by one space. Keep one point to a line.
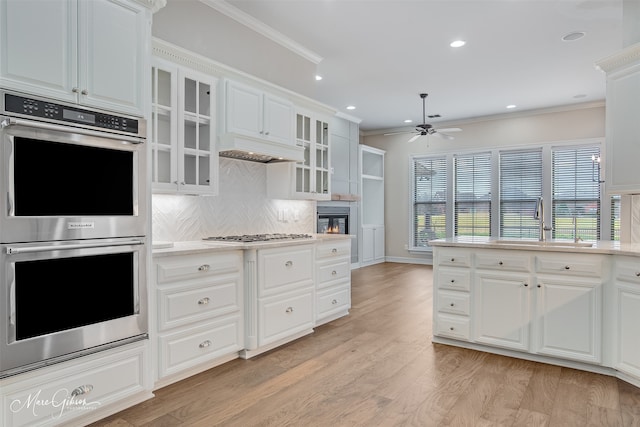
378 367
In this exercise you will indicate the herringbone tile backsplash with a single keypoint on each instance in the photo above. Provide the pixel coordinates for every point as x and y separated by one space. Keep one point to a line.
242 207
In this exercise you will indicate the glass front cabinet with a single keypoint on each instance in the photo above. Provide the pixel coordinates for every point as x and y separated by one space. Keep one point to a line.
312 175
184 158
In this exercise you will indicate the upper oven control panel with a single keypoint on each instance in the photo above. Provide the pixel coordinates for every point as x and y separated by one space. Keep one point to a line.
67 114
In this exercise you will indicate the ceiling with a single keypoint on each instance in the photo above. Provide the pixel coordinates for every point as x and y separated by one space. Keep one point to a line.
378 55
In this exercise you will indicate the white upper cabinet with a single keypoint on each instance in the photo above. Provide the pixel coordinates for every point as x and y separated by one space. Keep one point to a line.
184 157
93 53
623 127
254 113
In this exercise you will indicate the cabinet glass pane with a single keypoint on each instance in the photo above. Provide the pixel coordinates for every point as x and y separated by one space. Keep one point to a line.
307 181
307 155
299 130
372 164
190 90
163 162
321 158
190 134
322 133
307 129
205 99
321 182
190 163
164 89
204 136
203 170
162 135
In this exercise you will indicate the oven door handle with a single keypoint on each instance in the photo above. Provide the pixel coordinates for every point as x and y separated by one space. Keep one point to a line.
49 248
12 121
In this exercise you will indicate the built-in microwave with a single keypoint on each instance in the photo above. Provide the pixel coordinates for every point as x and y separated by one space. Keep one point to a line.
68 172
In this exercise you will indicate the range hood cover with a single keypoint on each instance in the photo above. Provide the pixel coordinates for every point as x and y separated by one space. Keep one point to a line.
244 147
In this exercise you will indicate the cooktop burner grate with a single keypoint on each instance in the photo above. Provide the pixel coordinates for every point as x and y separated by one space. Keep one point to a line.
258 237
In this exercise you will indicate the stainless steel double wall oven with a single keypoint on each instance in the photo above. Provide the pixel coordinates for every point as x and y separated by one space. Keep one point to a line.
73 224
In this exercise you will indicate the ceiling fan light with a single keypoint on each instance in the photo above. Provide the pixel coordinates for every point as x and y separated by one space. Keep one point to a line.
457 43
408 121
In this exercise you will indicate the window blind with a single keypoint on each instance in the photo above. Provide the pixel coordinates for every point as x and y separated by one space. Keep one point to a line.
576 193
615 217
520 188
429 199
472 197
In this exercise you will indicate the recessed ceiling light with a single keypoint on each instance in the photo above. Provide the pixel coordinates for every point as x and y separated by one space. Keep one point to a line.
580 95
457 43
408 121
574 35
511 106
350 107
318 78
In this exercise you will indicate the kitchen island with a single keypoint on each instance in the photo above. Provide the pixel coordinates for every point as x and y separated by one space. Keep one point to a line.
573 304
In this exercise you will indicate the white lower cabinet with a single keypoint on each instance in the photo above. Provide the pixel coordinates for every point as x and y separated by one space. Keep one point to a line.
627 316
79 391
199 312
333 280
452 293
373 251
279 296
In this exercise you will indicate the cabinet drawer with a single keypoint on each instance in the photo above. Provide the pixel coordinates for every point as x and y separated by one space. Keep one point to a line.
179 306
284 269
454 278
457 257
341 249
97 383
195 345
453 302
453 326
328 274
283 316
184 267
333 301
503 260
628 270
573 265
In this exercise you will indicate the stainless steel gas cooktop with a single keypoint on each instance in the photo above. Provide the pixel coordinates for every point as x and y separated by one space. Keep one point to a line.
258 237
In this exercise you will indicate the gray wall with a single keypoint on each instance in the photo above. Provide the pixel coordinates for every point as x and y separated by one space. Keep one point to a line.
195 26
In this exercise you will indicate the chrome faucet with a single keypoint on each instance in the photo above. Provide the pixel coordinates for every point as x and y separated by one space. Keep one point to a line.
540 217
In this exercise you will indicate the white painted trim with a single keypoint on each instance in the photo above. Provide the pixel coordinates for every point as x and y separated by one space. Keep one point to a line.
351 118
263 29
627 56
405 260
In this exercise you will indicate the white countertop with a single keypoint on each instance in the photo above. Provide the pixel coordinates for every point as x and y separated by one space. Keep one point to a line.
189 247
599 247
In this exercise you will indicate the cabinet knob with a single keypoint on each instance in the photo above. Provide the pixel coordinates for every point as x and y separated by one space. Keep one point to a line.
453 281
85 92
539 285
266 133
500 263
334 302
451 328
204 301
453 259
452 304
526 285
289 310
637 273
75 90
205 344
333 273
288 263
334 251
566 267
83 389
261 132
204 267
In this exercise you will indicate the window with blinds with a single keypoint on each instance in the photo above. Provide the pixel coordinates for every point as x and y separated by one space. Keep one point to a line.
472 197
575 193
429 199
615 217
520 188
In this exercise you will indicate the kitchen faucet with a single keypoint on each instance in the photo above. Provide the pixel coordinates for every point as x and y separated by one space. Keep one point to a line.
539 215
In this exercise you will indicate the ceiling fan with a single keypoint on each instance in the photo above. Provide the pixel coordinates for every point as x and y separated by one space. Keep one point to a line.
425 128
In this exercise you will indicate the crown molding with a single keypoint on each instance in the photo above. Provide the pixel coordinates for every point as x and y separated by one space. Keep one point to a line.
262 28
153 5
627 56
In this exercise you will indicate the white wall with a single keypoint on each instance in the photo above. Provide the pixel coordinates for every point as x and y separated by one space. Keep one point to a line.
505 131
198 28
241 207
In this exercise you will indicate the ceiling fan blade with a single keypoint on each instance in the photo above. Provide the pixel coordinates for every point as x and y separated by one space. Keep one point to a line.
414 137
444 135
449 130
397 133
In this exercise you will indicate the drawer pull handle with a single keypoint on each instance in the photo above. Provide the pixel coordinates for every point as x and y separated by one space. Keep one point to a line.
83 389
205 344
453 281
453 259
334 251
333 273
288 263
334 302
566 267
289 310
204 267
452 304
451 328
500 263
204 301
